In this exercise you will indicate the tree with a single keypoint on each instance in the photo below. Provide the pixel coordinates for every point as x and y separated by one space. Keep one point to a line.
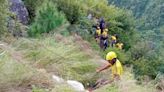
47 18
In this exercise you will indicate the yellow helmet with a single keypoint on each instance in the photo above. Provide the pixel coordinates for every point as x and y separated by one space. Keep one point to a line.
111 55
106 30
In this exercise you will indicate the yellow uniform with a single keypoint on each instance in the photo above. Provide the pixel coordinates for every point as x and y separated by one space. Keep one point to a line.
98 32
119 45
114 38
105 33
117 68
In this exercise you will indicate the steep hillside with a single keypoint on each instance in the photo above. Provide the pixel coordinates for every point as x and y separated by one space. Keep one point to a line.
32 63
58 46
149 12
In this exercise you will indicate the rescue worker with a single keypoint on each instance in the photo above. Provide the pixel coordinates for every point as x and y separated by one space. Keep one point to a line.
98 34
105 33
102 24
115 65
119 45
104 39
113 40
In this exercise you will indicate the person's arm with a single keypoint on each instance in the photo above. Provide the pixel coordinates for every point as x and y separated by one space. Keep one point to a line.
103 67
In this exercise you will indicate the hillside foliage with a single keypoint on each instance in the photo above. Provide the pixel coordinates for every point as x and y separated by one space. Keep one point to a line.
54 42
146 53
47 19
3 17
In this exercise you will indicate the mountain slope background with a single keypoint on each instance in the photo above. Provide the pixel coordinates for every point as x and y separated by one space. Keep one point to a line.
150 13
149 16
59 39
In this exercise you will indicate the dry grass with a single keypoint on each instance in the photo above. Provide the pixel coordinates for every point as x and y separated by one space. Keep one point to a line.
29 62
16 75
55 55
127 84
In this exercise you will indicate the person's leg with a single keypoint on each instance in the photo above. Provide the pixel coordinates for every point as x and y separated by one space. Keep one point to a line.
105 44
112 43
99 83
101 42
98 40
108 82
116 77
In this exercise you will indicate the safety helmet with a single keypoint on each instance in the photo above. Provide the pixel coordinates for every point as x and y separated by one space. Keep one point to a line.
111 55
106 30
98 27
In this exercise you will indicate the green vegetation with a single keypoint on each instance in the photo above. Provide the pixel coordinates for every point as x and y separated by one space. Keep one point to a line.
47 19
146 53
32 7
56 56
56 46
108 88
148 12
3 17
72 9
28 55
127 83
15 72
118 21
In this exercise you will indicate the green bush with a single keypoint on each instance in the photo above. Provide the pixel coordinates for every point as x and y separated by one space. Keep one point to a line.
47 19
72 9
32 7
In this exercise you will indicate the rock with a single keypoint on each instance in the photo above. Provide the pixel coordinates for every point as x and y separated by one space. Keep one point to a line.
57 79
17 23
77 86
18 7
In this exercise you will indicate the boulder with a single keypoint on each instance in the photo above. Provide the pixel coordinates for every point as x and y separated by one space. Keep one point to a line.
18 7
57 79
77 86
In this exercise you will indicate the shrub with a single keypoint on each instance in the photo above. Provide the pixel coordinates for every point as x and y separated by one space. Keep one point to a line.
32 7
3 16
47 19
72 9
